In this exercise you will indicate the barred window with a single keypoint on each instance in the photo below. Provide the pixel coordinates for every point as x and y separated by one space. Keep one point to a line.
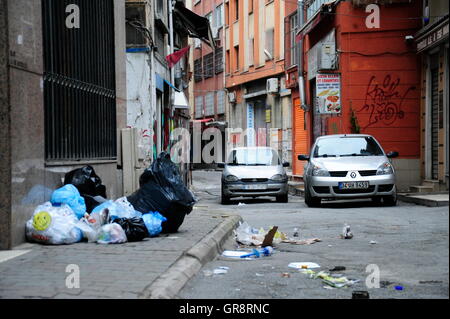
198 72
198 107
208 65
218 60
220 102
79 83
209 104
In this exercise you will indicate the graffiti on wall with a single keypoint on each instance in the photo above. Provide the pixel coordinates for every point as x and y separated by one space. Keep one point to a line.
384 101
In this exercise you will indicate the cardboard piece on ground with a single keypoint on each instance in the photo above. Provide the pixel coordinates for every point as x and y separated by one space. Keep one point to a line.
268 240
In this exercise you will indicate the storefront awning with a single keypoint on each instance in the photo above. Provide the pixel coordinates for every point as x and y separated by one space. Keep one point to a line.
196 26
315 20
432 35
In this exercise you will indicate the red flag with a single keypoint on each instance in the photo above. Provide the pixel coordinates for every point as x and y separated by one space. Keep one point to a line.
173 58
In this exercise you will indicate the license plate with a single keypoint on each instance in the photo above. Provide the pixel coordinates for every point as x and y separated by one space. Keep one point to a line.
251 187
353 185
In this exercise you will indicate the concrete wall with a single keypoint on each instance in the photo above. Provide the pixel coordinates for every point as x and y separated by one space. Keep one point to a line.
140 112
5 132
32 181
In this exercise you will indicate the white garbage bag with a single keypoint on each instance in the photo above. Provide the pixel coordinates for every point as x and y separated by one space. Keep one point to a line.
53 225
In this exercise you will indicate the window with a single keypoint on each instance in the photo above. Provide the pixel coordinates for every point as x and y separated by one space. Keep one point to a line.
160 7
250 6
198 107
209 104
227 62
236 58
218 57
251 51
219 16
220 102
347 146
135 17
269 45
80 111
295 52
198 72
160 42
236 8
208 65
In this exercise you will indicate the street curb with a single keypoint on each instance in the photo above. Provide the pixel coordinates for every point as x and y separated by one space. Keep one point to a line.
168 285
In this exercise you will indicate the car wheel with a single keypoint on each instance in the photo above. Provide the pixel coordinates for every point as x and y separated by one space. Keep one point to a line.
310 200
224 200
283 198
390 200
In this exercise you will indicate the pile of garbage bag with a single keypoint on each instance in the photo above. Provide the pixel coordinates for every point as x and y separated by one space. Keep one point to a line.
162 190
80 211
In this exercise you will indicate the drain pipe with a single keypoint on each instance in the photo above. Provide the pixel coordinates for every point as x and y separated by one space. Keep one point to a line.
301 80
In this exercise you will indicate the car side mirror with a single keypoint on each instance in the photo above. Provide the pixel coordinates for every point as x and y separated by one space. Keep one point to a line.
392 155
303 157
286 164
221 165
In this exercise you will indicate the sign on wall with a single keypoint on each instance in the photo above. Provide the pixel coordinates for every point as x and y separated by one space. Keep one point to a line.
250 125
328 94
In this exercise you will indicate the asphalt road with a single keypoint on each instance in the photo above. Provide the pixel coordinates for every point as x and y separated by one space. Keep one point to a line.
411 250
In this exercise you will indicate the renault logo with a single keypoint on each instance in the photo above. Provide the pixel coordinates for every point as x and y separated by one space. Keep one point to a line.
353 175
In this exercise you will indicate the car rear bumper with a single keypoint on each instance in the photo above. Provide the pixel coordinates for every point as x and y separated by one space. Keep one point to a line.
240 189
328 187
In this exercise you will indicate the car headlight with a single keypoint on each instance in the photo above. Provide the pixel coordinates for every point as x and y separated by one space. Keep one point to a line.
385 169
319 171
278 177
231 178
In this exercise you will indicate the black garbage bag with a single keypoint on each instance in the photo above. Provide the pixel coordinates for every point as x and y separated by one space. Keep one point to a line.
134 228
92 202
86 181
163 190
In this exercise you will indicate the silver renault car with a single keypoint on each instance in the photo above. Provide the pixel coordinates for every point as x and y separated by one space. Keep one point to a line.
254 172
346 167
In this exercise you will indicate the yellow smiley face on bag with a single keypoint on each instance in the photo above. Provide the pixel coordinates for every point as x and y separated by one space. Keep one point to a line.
42 220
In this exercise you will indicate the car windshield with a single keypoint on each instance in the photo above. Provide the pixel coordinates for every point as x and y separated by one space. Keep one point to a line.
254 156
347 146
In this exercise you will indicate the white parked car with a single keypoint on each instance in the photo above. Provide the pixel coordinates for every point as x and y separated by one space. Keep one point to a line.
349 166
254 172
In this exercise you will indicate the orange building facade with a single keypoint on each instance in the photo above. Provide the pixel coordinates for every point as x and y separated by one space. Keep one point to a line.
360 77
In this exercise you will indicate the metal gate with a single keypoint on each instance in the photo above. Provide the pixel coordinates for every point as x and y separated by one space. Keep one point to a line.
79 81
435 124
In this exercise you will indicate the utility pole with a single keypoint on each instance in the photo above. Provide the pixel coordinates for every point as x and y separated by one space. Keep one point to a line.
301 80
171 49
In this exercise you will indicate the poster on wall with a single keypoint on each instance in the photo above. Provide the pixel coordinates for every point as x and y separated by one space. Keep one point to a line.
328 93
250 125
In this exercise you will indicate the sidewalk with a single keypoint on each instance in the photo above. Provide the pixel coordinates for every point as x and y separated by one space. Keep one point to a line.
425 199
155 268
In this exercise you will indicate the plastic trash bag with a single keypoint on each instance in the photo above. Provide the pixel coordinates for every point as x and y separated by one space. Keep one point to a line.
88 230
163 190
247 235
86 181
153 221
70 196
134 228
53 225
120 208
111 234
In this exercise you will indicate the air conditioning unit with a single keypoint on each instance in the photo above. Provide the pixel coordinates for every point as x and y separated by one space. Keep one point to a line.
232 97
326 56
272 85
